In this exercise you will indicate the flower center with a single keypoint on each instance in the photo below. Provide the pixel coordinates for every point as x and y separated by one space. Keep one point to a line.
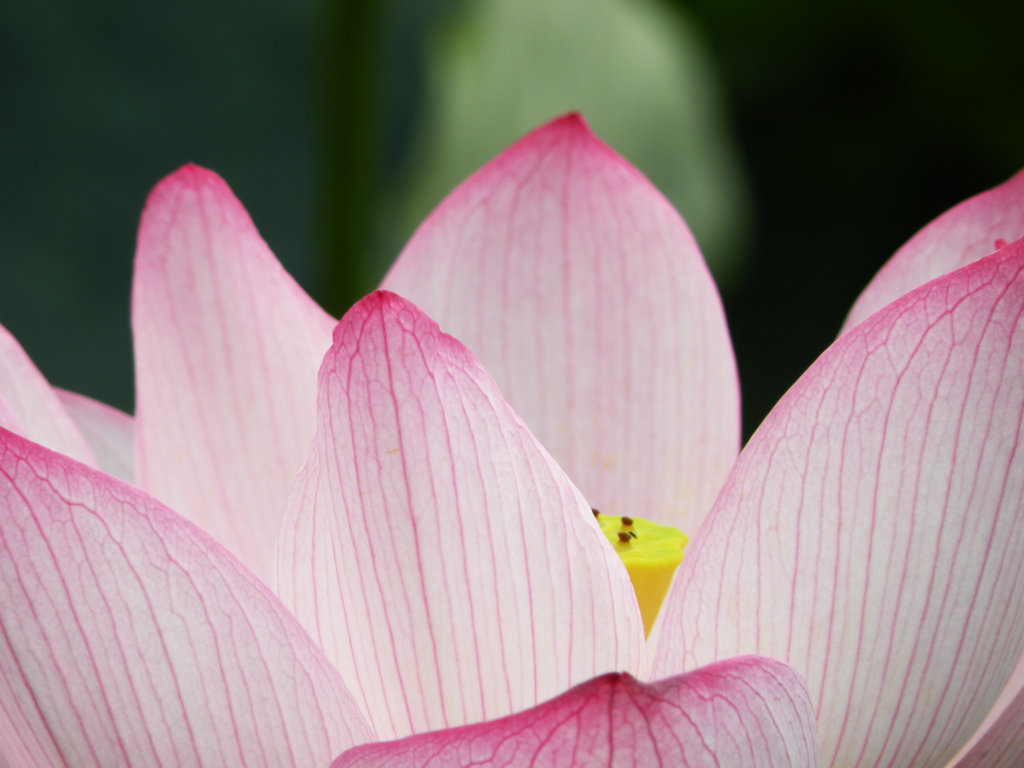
651 553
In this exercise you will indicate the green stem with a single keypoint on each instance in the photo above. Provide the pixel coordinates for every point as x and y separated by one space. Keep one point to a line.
346 149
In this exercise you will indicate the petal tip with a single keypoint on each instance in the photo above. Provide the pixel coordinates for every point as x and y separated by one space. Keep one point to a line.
188 174
970 230
385 303
188 177
571 128
570 122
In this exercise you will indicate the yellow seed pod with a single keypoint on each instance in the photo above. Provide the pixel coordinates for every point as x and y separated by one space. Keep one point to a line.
651 554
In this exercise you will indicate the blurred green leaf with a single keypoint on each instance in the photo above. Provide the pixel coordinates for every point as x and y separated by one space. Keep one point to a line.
637 72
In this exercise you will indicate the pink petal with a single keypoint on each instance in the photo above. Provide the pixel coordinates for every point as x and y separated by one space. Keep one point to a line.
997 731
129 637
746 712
7 420
30 407
109 432
872 533
585 296
1002 744
226 352
974 228
448 567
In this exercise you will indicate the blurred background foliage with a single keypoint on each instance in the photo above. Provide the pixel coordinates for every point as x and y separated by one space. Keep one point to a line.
803 142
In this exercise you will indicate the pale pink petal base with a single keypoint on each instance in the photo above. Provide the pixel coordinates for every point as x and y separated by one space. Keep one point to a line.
872 532
749 712
583 293
109 432
449 568
30 407
227 347
976 227
128 637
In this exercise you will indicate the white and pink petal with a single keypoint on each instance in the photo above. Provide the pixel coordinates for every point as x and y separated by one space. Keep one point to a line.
109 432
30 406
872 534
227 347
999 740
129 637
1001 743
448 567
752 712
583 293
970 230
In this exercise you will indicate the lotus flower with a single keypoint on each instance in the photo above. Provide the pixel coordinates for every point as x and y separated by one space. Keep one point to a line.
437 577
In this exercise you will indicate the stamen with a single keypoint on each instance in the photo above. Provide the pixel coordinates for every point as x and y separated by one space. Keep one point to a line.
650 559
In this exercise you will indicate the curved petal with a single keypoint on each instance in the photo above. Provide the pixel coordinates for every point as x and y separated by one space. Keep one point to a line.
585 296
109 432
1002 744
128 637
998 719
746 712
30 407
974 228
449 568
227 347
872 532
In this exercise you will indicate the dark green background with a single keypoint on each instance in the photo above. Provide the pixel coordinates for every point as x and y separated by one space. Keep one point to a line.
855 124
